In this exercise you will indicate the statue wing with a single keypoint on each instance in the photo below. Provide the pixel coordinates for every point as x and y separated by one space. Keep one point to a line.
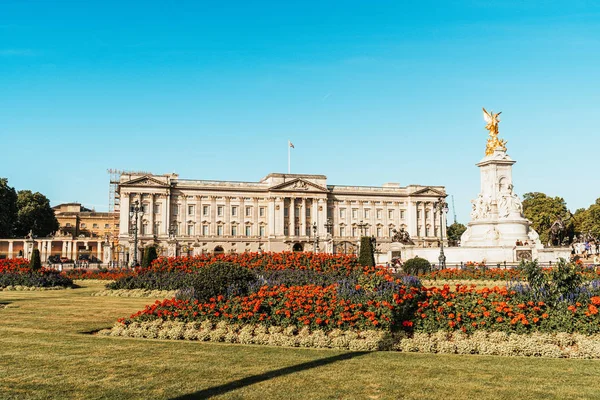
486 116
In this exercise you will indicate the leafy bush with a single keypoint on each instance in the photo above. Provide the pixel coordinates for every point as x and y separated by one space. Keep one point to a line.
149 256
35 263
416 266
221 278
366 256
42 278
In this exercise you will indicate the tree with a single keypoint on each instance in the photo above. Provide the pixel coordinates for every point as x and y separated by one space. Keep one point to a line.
587 221
35 263
543 210
366 256
8 209
455 231
149 256
35 214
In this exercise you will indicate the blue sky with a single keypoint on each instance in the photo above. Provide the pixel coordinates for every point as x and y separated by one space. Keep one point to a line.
368 92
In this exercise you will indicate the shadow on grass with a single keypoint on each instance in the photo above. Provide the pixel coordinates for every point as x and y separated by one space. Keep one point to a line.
251 380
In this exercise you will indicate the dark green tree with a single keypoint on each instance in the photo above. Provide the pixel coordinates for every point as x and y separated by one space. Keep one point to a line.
8 209
35 263
366 256
415 266
149 256
35 214
543 210
455 231
587 221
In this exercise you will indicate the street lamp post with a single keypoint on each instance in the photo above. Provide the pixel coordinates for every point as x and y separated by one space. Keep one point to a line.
442 208
134 213
316 245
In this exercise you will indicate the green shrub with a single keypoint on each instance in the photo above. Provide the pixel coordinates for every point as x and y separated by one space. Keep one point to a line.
366 256
221 278
416 266
35 264
149 256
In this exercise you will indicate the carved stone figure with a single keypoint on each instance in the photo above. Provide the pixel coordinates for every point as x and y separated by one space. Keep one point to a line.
401 236
300 185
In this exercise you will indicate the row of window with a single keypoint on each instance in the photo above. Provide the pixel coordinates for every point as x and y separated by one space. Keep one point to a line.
367 213
191 210
191 230
83 225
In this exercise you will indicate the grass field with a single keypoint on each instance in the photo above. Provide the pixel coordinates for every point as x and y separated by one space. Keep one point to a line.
45 353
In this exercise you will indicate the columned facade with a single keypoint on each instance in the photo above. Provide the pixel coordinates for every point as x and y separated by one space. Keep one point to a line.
277 213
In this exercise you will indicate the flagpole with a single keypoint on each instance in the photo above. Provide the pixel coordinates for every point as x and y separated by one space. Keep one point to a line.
289 156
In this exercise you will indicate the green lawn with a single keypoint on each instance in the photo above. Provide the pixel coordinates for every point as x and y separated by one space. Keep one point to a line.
46 354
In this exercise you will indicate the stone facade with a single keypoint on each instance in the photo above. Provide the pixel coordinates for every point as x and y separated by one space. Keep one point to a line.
281 212
78 221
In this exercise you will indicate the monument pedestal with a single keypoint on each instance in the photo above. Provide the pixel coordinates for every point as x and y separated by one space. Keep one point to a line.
497 213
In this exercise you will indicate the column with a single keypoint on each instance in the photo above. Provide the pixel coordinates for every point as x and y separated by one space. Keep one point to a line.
198 216
124 215
271 217
411 218
213 216
292 216
303 217
184 211
10 249
164 229
167 212
322 217
74 249
151 216
314 216
63 252
279 216
99 250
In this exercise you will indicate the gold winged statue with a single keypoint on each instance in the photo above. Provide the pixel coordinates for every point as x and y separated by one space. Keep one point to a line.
493 142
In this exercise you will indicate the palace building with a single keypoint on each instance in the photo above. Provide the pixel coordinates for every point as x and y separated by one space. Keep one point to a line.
281 212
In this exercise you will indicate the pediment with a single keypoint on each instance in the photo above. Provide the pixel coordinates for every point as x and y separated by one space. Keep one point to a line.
428 191
298 185
145 181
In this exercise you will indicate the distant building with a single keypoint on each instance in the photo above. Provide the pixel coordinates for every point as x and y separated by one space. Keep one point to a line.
79 222
281 212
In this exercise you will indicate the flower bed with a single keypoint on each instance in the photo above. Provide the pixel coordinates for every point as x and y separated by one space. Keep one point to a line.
16 273
588 273
560 345
98 274
160 294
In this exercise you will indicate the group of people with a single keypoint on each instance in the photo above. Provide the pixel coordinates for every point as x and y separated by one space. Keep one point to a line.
586 249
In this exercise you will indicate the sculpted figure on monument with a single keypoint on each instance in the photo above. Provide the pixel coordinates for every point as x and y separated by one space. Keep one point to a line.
493 142
401 236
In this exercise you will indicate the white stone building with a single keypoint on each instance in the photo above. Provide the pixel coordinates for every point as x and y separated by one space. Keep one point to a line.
281 212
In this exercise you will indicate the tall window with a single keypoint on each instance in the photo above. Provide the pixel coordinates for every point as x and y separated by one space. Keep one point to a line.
175 210
401 214
342 213
355 213
205 210
205 230
261 211
308 211
379 213
155 228
234 211
219 230
220 211
391 232
391 214
354 232
144 229
286 212
191 210
190 230
156 208
379 231
262 231
286 230
342 231
248 230
367 213
297 212
248 211
233 230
